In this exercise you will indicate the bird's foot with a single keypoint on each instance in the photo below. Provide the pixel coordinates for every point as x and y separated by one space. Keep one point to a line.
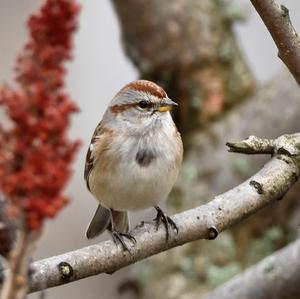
161 217
119 239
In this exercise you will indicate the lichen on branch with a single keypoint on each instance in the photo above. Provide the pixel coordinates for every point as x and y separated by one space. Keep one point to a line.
286 144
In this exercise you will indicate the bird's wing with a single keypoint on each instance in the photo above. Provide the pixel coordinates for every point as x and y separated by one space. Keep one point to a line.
98 135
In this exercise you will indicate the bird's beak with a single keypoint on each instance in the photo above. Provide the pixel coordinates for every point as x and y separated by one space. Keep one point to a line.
166 105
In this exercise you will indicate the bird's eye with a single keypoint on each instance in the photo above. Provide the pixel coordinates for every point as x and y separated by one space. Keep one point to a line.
143 104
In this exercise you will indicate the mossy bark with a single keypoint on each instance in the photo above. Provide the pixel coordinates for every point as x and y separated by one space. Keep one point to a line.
188 47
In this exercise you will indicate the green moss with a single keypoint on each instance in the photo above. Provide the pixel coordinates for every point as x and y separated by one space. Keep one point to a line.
225 245
189 172
234 11
242 167
271 241
226 51
297 146
218 275
274 234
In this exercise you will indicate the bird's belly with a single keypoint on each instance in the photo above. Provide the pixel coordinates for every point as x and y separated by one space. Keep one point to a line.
130 187
138 171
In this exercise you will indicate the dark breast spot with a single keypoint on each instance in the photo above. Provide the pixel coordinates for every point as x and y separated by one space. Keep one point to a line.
144 157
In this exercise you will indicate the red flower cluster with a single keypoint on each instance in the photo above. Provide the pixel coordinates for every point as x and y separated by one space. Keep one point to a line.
35 154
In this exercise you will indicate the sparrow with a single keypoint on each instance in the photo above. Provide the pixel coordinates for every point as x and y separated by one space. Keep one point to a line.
133 159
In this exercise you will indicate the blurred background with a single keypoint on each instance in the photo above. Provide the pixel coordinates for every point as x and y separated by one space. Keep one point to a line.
99 69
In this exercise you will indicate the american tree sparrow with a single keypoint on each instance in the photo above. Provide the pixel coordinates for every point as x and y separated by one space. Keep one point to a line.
133 159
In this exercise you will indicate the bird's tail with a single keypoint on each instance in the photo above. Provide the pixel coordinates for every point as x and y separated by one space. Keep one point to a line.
103 219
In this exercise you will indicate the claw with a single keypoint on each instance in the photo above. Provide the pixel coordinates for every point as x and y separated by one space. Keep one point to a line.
129 237
119 238
161 217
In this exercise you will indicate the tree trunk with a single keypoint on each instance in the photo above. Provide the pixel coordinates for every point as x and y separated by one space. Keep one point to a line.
189 48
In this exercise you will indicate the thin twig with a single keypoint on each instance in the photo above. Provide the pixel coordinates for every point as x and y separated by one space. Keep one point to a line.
287 144
252 145
277 20
205 221
15 285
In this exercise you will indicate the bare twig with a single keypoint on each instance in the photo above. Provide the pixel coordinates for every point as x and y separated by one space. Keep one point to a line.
252 145
275 277
285 144
205 221
277 20
15 284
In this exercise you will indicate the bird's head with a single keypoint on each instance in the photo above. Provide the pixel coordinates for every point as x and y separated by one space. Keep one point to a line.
141 102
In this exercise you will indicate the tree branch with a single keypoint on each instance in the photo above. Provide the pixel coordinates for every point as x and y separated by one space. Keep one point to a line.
205 221
208 171
255 145
275 277
252 145
277 20
265 114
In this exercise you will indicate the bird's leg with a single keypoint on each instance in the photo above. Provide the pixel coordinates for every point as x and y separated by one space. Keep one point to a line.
161 217
118 236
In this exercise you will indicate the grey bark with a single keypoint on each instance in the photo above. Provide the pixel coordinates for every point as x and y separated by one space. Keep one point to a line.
275 277
206 221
